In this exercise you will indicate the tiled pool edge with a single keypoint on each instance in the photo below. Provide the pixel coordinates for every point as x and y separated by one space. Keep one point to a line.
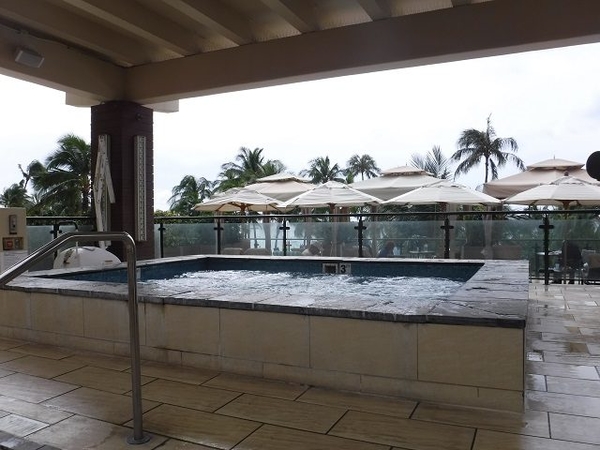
478 363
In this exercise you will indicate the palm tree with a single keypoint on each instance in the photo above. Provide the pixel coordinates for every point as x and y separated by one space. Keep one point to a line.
249 165
189 192
33 169
65 185
15 196
272 167
474 145
320 171
434 162
364 165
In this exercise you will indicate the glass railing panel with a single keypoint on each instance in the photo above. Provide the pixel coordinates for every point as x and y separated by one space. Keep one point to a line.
181 239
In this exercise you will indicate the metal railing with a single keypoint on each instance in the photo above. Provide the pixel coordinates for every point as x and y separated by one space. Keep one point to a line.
19 268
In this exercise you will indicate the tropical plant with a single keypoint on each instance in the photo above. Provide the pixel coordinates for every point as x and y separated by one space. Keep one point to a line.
475 146
434 162
15 196
33 170
189 192
249 166
320 171
364 165
65 184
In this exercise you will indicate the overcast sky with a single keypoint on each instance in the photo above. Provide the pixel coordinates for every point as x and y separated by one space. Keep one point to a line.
549 101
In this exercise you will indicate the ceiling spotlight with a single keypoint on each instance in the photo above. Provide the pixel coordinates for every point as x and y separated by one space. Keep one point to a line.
28 57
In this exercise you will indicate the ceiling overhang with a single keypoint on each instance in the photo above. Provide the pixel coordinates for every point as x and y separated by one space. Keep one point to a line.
93 70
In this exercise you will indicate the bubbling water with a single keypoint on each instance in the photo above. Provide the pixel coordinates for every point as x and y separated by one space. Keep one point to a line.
314 285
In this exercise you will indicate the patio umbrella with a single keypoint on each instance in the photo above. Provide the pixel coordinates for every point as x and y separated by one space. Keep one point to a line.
394 182
446 193
281 186
543 172
239 199
564 191
332 194
443 193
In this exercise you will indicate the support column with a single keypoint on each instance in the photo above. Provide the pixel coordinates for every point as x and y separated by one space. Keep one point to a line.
123 121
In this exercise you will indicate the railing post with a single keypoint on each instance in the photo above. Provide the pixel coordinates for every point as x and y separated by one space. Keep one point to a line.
218 228
546 227
284 228
161 238
360 227
446 227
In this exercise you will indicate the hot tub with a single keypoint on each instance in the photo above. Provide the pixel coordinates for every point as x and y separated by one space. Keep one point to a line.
466 347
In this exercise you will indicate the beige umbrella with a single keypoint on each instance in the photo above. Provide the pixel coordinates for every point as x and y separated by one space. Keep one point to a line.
443 193
394 182
543 172
332 194
449 193
239 199
564 191
281 186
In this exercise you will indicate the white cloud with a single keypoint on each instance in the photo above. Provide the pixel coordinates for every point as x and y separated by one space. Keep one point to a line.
548 101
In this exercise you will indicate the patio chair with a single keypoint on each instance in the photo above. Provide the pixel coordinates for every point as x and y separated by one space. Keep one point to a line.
571 262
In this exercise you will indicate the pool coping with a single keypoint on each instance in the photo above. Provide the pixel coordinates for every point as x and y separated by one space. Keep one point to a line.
495 296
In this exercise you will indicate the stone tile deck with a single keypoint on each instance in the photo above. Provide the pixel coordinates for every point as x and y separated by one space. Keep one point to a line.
56 398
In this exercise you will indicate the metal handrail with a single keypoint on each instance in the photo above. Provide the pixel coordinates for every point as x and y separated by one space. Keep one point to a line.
134 336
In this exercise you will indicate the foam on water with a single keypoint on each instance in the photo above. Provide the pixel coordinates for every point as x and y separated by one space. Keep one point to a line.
319 285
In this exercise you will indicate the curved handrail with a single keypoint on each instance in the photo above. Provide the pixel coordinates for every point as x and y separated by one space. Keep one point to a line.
134 336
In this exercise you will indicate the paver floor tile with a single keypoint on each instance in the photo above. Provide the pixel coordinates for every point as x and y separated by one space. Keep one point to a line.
34 411
269 437
32 389
9 356
19 425
40 366
208 429
535 382
175 444
45 351
360 402
6 344
532 423
77 433
572 386
102 379
4 373
303 416
494 440
181 374
404 433
257 386
594 349
187 395
99 360
563 403
562 370
573 338
100 405
581 359
575 428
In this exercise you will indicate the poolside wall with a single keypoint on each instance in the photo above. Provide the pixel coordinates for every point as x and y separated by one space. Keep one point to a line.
459 364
